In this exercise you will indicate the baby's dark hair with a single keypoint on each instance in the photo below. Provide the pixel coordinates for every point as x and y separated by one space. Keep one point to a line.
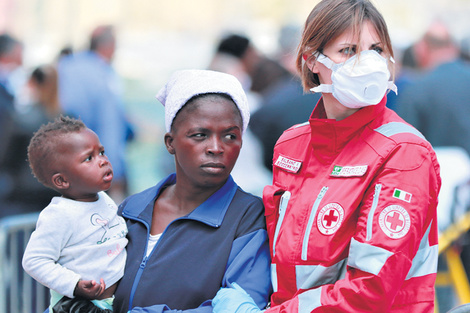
42 147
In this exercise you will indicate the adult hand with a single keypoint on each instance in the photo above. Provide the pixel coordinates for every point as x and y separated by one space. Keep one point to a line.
234 300
89 289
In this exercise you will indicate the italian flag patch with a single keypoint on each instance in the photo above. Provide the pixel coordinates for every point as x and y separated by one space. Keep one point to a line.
402 195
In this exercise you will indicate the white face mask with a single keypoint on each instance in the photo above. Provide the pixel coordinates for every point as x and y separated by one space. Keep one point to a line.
357 83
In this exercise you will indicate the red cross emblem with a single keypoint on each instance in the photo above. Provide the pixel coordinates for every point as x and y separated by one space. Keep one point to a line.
330 218
395 221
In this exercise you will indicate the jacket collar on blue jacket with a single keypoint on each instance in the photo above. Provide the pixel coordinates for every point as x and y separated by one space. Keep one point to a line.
210 212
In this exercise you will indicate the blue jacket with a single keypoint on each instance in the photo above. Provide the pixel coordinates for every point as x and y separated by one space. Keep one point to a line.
222 241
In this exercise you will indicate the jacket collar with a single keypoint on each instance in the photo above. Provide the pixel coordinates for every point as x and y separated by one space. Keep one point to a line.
210 212
328 136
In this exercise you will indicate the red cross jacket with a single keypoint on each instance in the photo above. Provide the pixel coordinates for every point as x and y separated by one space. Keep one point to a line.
351 215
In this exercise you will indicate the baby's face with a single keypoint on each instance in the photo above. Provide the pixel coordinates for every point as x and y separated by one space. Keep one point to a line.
84 165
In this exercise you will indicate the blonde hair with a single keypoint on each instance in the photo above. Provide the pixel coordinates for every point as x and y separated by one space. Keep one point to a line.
328 20
44 79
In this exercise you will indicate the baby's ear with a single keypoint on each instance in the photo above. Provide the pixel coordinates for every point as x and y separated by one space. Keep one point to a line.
60 182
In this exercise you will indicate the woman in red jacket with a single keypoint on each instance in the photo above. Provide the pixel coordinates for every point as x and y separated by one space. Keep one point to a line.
351 213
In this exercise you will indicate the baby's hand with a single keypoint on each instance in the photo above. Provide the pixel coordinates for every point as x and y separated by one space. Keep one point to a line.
89 289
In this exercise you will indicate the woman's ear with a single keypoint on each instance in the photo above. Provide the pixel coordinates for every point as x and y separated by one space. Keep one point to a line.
60 182
169 143
311 62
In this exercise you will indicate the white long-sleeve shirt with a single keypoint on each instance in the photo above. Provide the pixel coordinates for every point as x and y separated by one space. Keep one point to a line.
77 240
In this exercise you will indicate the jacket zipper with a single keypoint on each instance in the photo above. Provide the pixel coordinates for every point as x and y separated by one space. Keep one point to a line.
136 280
311 218
282 211
144 260
370 217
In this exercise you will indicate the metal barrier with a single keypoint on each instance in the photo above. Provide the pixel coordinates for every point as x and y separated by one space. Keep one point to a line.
19 293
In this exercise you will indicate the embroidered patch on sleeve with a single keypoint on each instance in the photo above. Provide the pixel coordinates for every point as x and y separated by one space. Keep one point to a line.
402 195
288 164
395 221
349 171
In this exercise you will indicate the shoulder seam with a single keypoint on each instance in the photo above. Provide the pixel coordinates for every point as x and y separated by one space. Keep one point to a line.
394 128
294 131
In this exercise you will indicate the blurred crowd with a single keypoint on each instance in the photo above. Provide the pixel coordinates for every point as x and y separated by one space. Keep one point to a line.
431 75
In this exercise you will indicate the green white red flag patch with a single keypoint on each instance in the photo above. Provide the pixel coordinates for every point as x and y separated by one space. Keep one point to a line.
402 195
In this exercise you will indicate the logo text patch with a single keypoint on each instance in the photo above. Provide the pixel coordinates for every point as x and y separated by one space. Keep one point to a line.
288 164
349 171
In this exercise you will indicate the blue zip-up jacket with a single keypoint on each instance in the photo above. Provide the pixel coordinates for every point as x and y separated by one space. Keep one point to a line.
222 241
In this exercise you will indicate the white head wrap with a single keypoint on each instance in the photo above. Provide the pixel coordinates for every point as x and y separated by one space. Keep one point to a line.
185 84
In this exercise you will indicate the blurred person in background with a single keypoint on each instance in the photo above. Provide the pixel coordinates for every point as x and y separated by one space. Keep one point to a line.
43 86
436 103
89 88
26 193
419 57
11 59
263 71
285 103
227 58
465 48
8 48
13 75
249 171
12 147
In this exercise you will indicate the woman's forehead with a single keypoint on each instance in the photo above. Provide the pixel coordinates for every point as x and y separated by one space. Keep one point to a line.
368 34
211 107
212 102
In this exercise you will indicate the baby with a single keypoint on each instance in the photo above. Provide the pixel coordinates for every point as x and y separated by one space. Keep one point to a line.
78 247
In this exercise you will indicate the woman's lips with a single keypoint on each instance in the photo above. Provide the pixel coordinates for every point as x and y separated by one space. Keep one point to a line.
213 168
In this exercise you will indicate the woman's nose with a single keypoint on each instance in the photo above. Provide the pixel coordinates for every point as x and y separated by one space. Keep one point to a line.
215 146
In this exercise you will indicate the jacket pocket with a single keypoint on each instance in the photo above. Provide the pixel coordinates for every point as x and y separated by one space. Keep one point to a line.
311 219
275 202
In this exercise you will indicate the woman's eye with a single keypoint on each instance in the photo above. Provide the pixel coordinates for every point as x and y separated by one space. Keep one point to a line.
231 136
198 135
102 152
379 50
348 51
88 158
